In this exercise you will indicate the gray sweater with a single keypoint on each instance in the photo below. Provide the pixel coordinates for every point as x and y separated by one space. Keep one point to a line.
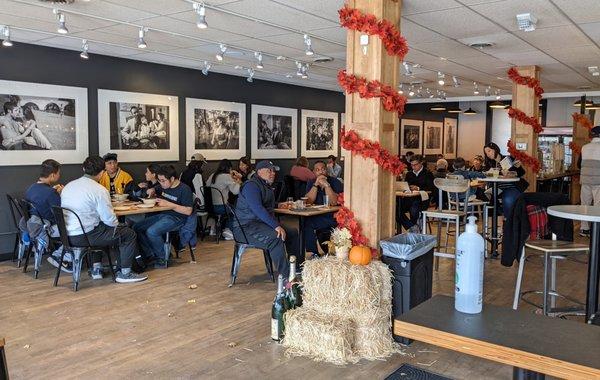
590 163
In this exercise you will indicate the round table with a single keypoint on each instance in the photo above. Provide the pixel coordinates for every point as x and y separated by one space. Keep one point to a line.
495 181
589 214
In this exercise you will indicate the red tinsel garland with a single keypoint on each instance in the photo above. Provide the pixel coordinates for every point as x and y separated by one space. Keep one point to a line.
345 219
354 19
530 82
523 118
583 120
576 149
371 149
392 101
525 159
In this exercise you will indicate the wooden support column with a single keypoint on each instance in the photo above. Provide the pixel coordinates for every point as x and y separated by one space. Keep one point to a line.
524 99
368 190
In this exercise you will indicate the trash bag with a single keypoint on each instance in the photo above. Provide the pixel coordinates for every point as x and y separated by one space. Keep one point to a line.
407 246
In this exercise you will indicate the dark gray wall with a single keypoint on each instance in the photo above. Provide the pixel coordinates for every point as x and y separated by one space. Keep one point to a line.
31 63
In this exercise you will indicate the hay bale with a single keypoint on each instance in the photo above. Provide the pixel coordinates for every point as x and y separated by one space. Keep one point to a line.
322 337
373 339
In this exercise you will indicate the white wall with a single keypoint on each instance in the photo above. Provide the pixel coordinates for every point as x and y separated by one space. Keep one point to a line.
471 130
501 125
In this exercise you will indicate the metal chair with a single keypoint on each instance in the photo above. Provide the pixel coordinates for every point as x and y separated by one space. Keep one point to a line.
78 252
209 207
21 244
173 236
241 244
37 246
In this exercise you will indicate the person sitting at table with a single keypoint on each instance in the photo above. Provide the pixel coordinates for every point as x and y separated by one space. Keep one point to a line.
419 179
175 195
477 164
150 187
333 168
114 179
316 191
91 202
509 191
255 212
245 168
44 194
441 168
460 169
192 175
227 182
301 172
590 175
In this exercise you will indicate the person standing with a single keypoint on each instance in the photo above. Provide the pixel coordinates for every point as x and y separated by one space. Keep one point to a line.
113 178
91 202
590 175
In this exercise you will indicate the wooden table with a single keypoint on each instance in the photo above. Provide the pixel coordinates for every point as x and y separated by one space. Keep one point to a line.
495 181
589 214
301 214
137 210
561 176
404 194
533 344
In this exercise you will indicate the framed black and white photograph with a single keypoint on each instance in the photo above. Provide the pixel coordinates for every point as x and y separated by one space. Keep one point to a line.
41 121
411 136
215 129
450 137
135 125
319 134
433 137
343 152
274 132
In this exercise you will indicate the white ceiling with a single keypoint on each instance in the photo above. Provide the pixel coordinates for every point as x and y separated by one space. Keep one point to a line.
564 44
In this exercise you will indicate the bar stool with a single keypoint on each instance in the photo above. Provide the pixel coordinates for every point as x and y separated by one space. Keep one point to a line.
551 251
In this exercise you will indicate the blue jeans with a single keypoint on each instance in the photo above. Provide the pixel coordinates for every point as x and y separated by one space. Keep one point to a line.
222 210
152 230
509 197
312 225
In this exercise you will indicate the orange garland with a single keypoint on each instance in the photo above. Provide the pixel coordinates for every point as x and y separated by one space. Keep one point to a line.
530 82
392 101
523 118
583 120
575 148
371 149
526 159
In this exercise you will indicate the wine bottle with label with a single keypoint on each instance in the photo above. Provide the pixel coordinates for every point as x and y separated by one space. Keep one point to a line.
277 311
294 291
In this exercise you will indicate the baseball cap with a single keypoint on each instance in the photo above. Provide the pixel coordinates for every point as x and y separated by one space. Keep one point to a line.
198 157
596 130
266 164
110 157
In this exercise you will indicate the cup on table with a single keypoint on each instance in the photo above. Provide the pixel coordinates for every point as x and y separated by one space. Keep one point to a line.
305 200
290 200
299 204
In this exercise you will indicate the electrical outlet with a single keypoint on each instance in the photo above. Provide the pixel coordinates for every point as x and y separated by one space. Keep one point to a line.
522 146
253 161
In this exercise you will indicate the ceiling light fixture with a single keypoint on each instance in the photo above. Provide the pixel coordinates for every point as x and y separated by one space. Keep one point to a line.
62 27
454 110
206 68
401 88
250 76
498 105
411 91
308 43
299 67
259 58
6 34
470 111
526 22
429 93
438 107
221 54
588 103
455 81
407 69
475 88
201 12
488 90
141 42
419 95
498 97
594 70
84 50
441 77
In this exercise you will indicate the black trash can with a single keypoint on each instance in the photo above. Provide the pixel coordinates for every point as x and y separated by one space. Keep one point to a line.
410 257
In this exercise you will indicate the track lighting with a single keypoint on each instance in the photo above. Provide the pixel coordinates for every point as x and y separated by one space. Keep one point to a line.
429 93
308 44
299 69
141 42
6 34
407 69
411 91
441 77
206 67
498 94
475 88
401 88
201 12
84 50
419 95
488 89
455 81
62 27
250 75
222 49
259 58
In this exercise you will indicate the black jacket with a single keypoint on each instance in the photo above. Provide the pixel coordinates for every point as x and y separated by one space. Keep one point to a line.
424 180
516 227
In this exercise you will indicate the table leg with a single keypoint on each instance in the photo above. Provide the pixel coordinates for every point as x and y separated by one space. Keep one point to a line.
495 220
525 374
591 312
301 244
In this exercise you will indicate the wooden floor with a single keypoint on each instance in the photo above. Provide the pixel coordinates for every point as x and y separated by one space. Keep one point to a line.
161 329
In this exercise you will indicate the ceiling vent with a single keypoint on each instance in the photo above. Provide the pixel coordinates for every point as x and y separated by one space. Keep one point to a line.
58 1
526 22
594 71
481 45
323 59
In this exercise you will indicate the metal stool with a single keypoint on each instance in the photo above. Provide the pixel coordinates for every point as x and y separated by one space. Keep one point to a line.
551 251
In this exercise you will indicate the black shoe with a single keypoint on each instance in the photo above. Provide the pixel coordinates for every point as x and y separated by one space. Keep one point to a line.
584 233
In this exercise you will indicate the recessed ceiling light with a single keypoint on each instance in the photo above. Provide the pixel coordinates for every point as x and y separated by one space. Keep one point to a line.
443 58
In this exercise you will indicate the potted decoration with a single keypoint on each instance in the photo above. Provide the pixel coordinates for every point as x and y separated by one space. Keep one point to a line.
341 239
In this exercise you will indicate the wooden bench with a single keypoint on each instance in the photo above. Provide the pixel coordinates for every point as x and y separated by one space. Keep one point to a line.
533 344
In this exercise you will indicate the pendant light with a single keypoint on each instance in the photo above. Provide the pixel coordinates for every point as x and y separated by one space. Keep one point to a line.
470 111
588 103
438 107
498 105
454 110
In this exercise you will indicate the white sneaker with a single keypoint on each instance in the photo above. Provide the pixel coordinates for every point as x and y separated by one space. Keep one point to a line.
97 273
130 277
227 234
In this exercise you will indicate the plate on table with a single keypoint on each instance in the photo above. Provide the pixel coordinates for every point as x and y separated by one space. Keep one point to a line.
122 208
145 205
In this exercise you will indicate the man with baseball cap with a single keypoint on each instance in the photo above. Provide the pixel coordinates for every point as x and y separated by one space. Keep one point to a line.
114 179
255 211
590 175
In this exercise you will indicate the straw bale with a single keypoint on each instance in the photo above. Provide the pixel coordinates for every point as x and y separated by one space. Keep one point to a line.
373 339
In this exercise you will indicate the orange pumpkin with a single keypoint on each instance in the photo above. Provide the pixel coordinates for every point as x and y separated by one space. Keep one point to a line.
360 255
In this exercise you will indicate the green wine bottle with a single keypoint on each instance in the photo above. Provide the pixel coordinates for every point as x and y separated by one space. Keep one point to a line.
277 311
294 292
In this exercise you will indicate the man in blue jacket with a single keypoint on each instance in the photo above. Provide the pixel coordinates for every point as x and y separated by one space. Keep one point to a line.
255 211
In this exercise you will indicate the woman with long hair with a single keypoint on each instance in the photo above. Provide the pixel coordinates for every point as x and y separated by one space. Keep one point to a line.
245 168
36 138
224 182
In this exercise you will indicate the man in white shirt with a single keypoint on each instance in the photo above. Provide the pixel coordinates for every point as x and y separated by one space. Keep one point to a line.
91 202
590 175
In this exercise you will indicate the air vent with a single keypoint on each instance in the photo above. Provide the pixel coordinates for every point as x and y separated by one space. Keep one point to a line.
58 1
584 87
481 45
323 59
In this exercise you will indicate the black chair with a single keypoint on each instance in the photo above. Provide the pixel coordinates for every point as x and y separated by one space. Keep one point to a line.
172 238
299 189
38 248
278 189
241 244
209 207
21 246
289 184
78 252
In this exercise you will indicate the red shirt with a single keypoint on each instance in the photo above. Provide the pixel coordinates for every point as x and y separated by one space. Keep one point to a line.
302 173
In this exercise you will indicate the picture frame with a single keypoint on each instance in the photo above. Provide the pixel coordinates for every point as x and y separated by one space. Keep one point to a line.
411 136
274 132
204 118
138 126
343 152
45 121
319 134
450 138
433 136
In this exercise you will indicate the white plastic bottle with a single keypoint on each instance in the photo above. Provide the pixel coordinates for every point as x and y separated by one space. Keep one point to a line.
468 291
